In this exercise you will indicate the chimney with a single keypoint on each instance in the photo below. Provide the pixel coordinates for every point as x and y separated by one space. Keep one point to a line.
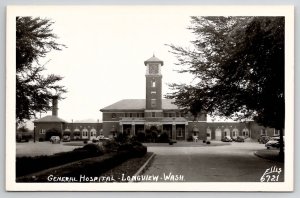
54 105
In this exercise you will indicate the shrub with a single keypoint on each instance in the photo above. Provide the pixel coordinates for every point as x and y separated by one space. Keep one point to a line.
139 150
111 145
27 165
92 148
208 142
121 138
141 137
94 140
204 141
190 139
76 133
163 138
67 133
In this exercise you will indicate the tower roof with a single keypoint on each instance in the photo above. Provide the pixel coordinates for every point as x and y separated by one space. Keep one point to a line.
154 59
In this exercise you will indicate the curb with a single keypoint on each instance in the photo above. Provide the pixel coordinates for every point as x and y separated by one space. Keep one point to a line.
265 158
143 167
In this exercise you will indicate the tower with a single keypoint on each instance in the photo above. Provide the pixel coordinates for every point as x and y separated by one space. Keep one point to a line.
153 83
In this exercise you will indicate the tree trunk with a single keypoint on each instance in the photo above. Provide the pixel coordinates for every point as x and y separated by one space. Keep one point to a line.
281 150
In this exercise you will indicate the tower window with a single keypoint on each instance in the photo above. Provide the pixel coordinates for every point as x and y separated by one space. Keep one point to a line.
153 92
113 115
153 102
153 84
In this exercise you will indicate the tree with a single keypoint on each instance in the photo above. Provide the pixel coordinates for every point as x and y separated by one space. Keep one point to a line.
34 39
238 64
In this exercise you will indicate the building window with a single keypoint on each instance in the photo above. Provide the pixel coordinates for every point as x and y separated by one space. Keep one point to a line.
113 115
137 115
166 114
179 132
142 115
153 92
130 115
171 115
153 102
177 114
153 84
263 132
276 132
84 132
245 132
42 131
125 115
153 114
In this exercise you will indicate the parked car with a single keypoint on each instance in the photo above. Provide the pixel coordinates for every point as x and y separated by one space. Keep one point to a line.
239 139
226 139
263 139
55 139
23 137
274 142
66 138
172 141
102 137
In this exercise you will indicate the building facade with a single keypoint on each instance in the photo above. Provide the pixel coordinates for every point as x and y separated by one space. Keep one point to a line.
150 115
155 114
76 131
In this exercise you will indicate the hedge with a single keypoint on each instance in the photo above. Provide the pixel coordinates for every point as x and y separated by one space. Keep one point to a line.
90 167
27 165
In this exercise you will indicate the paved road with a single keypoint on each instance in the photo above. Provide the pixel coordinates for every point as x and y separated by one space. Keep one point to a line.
228 163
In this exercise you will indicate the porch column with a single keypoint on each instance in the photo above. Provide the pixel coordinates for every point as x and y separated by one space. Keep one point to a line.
133 129
121 126
186 128
174 131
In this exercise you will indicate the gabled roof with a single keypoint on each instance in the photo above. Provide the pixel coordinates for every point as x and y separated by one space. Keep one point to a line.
138 104
154 59
50 118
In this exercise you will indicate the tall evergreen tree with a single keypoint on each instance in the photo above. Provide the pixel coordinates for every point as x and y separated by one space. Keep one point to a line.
34 39
238 63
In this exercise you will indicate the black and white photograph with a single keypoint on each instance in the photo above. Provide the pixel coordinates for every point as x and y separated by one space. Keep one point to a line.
150 98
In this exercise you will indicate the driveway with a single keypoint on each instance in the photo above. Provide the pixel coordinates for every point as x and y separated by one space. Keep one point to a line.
226 163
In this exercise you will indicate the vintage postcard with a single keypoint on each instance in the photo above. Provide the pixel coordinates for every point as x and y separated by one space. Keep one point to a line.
150 98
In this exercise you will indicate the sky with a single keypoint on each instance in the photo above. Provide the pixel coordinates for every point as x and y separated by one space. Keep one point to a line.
107 46
104 59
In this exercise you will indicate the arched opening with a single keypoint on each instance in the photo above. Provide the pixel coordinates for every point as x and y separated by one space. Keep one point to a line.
226 132
218 134
93 134
208 134
235 132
